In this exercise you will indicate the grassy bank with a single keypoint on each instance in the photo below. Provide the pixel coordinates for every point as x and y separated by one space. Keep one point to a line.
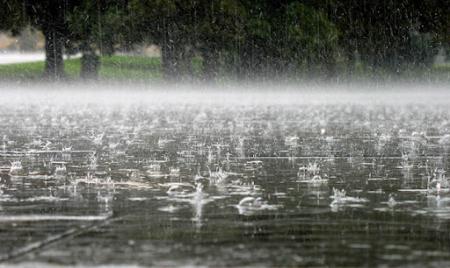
113 67
140 68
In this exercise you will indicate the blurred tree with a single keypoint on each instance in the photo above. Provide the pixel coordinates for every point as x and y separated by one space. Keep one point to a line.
433 27
49 16
283 37
248 38
391 34
96 28
170 24
28 39
219 31
12 16
307 38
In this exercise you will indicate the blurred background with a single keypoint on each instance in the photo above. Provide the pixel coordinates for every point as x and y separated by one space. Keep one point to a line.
223 40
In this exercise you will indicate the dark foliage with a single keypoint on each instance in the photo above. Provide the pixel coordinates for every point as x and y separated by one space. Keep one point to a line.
240 38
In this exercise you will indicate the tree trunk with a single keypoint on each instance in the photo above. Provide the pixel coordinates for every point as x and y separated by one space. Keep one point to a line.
90 63
351 62
210 65
185 56
169 56
54 63
330 64
245 62
168 62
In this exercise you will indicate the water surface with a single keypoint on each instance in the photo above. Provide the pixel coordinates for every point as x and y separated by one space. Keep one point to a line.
210 183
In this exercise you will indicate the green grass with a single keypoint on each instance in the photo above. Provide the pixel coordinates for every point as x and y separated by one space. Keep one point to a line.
442 68
130 68
141 68
112 68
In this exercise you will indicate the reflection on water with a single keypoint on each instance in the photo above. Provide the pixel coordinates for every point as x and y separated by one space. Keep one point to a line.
263 185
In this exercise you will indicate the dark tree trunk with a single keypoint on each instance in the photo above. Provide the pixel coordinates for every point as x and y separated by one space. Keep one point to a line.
90 63
330 64
210 65
245 62
169 54
185 56
169 62
351 62
54 63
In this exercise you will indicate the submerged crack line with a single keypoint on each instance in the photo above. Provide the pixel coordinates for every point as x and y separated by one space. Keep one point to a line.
55 238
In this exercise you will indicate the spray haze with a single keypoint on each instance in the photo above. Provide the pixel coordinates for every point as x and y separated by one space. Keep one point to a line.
227 94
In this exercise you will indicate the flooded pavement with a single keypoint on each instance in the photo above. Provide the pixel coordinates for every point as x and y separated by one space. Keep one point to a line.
330 184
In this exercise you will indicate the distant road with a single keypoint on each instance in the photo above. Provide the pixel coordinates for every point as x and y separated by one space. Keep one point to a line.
15 57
